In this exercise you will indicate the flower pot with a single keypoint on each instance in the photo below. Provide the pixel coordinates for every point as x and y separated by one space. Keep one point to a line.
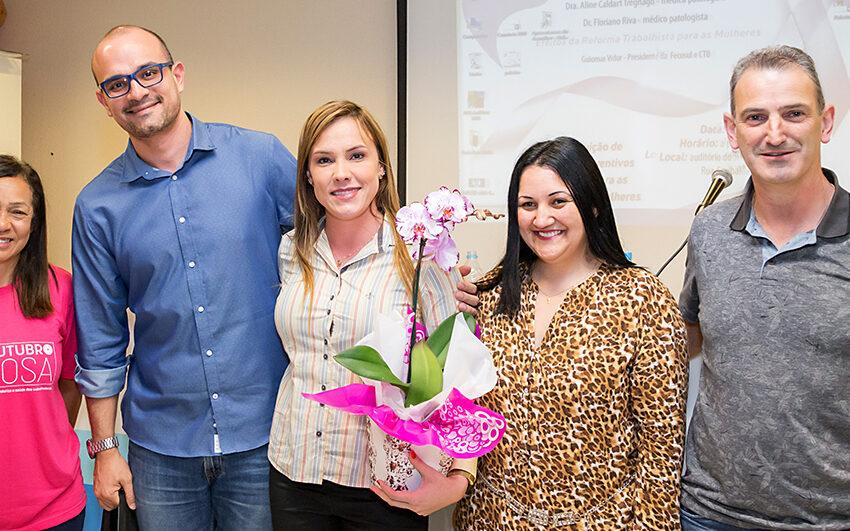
389 461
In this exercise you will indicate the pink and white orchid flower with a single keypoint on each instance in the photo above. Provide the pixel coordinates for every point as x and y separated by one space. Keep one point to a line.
448 206
414 223
442 250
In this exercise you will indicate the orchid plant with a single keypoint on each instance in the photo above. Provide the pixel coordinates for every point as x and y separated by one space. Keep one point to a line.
427 228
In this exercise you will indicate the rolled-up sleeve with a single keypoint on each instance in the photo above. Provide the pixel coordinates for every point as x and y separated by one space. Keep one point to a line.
282 176
100 300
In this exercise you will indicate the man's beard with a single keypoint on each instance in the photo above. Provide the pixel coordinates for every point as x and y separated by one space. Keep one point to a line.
149 129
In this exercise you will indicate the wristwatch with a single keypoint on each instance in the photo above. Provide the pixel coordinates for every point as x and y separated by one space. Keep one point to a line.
94 447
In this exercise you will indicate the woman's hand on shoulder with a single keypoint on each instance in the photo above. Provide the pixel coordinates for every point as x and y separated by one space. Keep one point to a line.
466 294
435 492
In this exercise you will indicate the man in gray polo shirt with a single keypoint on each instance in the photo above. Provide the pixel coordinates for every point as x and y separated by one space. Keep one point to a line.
767 300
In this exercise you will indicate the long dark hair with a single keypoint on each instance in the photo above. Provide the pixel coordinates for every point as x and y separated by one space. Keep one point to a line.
573 163
30 277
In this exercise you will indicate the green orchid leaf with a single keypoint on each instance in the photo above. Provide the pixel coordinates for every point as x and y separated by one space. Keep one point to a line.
426 377
366 362
439 340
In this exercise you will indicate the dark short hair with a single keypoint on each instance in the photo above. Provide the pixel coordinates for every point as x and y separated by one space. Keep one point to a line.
776 58
30 277
575 166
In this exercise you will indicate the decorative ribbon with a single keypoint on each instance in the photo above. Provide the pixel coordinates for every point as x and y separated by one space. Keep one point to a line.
458 427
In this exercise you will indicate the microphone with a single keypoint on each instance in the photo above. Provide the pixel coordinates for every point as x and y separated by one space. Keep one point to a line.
720 179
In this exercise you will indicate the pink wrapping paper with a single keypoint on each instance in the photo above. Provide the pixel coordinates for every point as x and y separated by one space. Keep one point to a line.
458 427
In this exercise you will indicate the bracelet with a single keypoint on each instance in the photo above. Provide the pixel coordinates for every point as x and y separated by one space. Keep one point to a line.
462 473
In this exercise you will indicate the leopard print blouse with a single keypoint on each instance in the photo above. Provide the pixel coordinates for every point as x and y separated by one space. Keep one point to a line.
596 415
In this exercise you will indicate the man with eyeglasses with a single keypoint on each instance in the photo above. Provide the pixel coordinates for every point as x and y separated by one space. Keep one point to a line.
183 230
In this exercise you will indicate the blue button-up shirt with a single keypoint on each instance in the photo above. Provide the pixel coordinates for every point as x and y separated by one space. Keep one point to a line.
193 254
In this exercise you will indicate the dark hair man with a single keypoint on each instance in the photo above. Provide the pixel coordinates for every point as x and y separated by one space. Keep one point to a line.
182 229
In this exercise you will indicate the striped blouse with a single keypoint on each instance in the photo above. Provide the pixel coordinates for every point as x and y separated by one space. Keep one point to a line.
310 443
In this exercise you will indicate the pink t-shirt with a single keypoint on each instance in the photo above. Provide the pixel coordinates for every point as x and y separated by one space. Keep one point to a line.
40 481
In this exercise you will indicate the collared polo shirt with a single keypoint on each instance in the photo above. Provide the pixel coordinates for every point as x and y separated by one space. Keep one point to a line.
769 442
193 254
768 248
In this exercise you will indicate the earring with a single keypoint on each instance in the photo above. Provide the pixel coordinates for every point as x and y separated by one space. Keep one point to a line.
309 180
382 173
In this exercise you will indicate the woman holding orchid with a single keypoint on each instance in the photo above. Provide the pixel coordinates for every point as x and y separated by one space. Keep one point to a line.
590 350
342 265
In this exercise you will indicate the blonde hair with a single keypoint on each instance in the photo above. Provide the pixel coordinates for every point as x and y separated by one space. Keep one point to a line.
308 210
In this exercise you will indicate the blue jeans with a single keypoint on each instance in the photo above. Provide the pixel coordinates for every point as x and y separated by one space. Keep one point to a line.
223 492
694 522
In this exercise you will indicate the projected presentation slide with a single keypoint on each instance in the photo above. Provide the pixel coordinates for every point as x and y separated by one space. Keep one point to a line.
642 83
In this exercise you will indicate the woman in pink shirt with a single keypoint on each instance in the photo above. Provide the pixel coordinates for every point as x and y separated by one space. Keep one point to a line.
41 486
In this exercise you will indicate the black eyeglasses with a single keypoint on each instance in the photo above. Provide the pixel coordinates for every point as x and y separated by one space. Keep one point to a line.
146 76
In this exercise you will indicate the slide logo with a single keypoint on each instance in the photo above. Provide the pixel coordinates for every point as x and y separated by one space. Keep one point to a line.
27 366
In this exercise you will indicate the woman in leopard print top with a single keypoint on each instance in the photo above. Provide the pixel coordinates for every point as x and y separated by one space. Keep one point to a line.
592 364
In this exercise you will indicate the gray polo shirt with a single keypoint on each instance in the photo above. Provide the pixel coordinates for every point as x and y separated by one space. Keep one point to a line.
769 443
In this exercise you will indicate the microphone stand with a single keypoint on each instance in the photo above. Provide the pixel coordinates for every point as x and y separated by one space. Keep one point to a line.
720 179
679 250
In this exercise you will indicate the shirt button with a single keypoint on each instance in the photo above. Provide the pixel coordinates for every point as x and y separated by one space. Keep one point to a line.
215 425
215 396
326 341
173 177
325 356
192 264
181 219
329 311
321 405
318 434
332 297
209 352
323 388
200 309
